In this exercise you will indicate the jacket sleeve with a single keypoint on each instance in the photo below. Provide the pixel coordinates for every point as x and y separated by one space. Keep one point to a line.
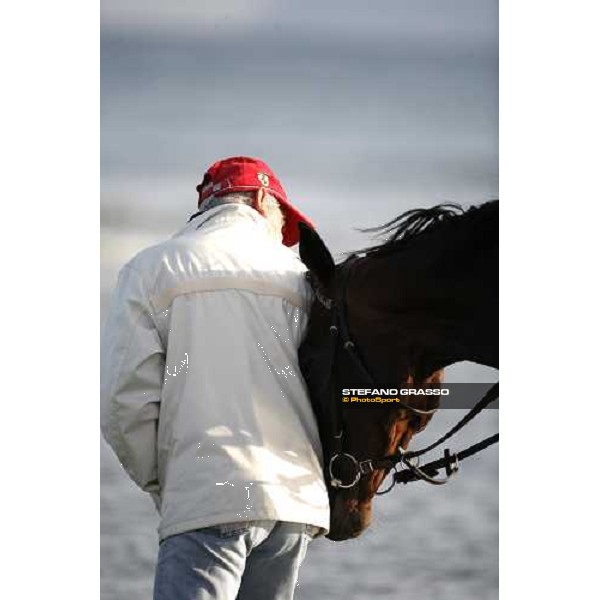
132 374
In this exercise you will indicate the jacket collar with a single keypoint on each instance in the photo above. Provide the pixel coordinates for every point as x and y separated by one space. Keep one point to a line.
225 213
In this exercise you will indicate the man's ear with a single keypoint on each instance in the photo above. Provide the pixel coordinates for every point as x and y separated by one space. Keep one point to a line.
315 255
260 201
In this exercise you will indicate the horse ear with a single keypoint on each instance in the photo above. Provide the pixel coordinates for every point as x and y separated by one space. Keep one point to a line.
315 255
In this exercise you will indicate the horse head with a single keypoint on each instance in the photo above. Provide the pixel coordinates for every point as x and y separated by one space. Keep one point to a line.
425 299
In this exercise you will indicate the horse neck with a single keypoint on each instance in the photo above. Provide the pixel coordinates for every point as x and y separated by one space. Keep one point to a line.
432 310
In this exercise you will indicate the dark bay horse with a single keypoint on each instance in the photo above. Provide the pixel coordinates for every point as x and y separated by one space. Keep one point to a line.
421 301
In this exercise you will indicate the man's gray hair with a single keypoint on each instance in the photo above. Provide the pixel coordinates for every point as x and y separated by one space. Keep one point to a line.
233 198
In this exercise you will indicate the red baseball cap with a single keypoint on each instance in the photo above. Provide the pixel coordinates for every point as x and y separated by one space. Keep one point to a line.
244 174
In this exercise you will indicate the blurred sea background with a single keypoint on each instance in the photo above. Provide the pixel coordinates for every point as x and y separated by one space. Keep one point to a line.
364 111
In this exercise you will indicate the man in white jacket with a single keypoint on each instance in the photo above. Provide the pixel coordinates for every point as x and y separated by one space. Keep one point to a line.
202 397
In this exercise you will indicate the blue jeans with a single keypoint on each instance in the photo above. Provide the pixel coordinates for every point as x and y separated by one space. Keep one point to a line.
251 560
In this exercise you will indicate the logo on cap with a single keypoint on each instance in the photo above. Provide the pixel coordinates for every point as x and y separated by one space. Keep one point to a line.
263 178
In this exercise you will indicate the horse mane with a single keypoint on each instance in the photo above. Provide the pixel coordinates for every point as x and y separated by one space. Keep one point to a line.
412 224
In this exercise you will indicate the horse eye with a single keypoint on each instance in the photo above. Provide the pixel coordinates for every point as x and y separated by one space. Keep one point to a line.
416 423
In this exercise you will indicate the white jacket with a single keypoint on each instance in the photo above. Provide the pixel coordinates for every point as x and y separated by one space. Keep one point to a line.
202 397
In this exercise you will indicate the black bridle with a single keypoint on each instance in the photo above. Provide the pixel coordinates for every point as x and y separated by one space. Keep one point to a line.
343 345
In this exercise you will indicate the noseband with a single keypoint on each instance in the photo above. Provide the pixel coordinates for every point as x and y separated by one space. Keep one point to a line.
343 345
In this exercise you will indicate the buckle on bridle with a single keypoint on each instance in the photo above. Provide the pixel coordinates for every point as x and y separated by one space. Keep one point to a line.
451 466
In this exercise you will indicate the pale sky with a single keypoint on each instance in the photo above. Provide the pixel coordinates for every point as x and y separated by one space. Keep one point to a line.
471 19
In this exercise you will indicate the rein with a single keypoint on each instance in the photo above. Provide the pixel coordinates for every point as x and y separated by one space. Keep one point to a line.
411 471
